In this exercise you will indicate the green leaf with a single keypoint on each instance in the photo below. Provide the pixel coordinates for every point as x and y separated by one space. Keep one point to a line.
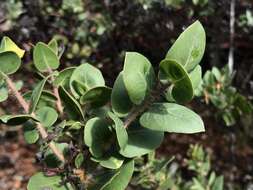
36 94
79 160
189 48
8 45
182 89
228 118
44 58
75 125
3 92
117 180
218 183
47 116
9 62
103 179
41 182
53 45
31 134
114 161
97 96
182 92
172 117
217 74
172 70
46 98
15 119
51 160
121 181
45 95
71 105
121 132
18 85
85 77
119 93
196 77
141 141
63 78
97 134
243 104
138 76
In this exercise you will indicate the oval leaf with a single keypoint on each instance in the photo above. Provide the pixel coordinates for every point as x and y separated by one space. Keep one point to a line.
121 132
53 45
189 48
46 98
84 78
172 70
138 76
63 78
9 62
121 181
97 96
119 93
47 116
15 119
39 181
117 180
31 134
97 135
196 77
112 162
44 58
141 141
182 89
170 117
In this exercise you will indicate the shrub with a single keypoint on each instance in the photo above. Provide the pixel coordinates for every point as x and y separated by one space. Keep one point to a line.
165 174
216 88
89 133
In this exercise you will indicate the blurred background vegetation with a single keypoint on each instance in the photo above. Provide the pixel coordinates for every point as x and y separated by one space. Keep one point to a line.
100 31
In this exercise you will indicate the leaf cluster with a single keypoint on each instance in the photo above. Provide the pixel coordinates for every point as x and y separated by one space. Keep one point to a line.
165 174
216 88
101 130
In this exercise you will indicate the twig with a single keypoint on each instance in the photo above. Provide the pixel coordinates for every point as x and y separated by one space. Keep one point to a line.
135 113
58 102
232 33
19 97
138 110
56 93
39 127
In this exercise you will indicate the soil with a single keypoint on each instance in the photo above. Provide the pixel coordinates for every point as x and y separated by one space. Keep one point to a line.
17 161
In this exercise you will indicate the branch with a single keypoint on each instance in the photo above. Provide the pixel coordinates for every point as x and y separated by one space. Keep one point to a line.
39 127
19 97
138 110
135 113
58 102
56 93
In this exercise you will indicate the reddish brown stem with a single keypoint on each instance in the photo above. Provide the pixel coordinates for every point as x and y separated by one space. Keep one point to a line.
39 127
